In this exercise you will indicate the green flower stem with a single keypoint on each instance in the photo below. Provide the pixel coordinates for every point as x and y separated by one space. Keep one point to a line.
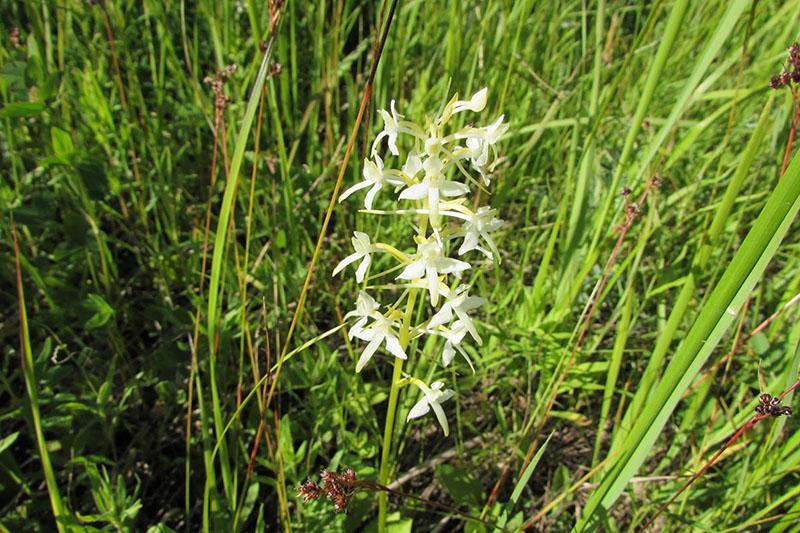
391 412
397 254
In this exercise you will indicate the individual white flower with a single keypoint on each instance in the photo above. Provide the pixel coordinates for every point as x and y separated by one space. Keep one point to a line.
477 226
391 127
430 263
433 186
375 177
363 248
476 103
459 302
432 397
382 330
366 308
453 337
479 140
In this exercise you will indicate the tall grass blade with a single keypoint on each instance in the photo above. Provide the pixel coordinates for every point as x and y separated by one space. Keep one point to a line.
59 513
721 309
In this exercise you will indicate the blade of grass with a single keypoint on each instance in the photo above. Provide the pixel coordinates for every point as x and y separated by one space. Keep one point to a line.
59 512
216 262
700 262
729 294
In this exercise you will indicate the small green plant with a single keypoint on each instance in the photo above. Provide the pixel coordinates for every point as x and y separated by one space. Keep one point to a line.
114 505
440 169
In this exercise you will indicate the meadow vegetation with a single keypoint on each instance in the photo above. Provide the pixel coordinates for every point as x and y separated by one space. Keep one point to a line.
175 350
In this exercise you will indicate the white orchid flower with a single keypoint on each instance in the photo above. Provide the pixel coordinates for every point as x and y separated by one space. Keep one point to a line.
363 248
430 263
366 308
432 397
433 186
459 303
476 103
479 140
375 177
453 338
382 330
393 125
477 226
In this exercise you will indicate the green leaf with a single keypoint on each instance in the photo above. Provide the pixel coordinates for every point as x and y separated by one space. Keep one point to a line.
5 442
759 343
395 523
62 142
462 487
526 475
102 312
21 109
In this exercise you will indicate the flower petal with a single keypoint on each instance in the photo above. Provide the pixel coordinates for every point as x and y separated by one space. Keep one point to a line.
370 197
357 187
394 348
420 408
414 270
368 352
448 353
346 261
362 268
418 191
440 416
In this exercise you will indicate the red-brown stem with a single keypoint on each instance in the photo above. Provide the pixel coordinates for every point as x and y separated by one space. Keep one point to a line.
589 309
496 488
791 136
747 425
334 195
122 99
742 340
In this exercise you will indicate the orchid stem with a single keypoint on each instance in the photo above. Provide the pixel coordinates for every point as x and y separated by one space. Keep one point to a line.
391 412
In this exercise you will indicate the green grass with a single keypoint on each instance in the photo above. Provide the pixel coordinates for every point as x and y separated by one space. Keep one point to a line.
131 314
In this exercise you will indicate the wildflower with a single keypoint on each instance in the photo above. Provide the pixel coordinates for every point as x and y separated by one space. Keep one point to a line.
432 398
433 186
391 127
430 263
393 124
382 330
431 177
375 177
459 303
363 248
478 225
453 337
479 140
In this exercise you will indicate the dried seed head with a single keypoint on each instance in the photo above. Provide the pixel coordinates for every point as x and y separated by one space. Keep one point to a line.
771 406
309 491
